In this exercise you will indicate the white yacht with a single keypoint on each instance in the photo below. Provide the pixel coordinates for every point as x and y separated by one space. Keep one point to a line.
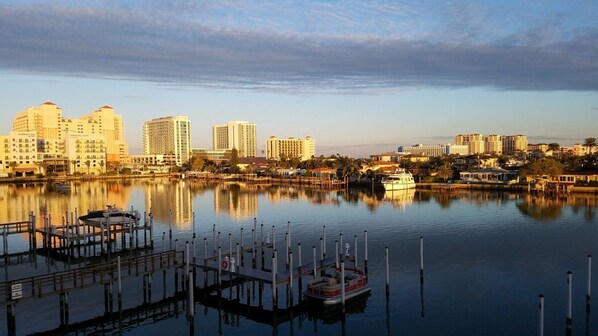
399 180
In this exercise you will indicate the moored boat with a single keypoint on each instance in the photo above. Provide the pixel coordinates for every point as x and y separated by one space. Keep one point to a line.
327 289
398 180
111 215
62 186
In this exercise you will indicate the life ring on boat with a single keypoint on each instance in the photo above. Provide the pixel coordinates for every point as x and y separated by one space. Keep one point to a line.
224 264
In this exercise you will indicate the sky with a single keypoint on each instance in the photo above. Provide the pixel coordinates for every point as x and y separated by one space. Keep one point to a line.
360 77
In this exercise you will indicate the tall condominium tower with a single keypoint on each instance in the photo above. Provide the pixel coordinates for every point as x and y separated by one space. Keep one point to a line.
493 144
514 143
168 135
240 135
474 141
304 149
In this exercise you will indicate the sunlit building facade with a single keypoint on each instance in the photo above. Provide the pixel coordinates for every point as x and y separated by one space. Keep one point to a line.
493 144
241 135
168 135
303 149
514 143
474 142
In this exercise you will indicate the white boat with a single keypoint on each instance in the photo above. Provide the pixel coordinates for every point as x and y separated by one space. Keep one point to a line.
327 289
398 180
112 215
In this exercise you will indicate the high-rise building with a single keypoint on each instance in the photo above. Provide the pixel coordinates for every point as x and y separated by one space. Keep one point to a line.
86 152
493 144
50 128
303 149
241 135
474 141
514 143
168 135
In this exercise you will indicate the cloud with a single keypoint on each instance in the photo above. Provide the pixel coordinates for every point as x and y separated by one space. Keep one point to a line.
186 44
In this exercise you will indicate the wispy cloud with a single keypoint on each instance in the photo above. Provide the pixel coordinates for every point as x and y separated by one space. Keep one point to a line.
226 45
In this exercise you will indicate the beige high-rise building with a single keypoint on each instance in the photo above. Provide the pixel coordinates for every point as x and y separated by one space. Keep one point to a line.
86 152
303 149
514 143
474 141
50 127
241 135
493 144
168 135
19 154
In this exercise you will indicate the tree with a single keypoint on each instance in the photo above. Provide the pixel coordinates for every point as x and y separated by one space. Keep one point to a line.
88 164
590 143
555 147
101 165
445 172
13 165
234 161
545 166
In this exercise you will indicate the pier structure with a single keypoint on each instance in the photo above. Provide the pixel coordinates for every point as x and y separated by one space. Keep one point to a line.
244 270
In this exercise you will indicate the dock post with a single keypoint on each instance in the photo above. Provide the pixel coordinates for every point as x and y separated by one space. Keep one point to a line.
291 278
324 240
273 237
262 233
5 241
163 241
340 242
421 259
274 288
219 269
102 222
151 230
214 238
147 288
300 268
315 264
120 291
287 248
253 248
386 256
589 289
170 227
33 232
11 319
241 237
365 257
65 307
230 245
205 262
321 250
289 232
355 251
190 299
343 285
144 228
193 223
569 320
541 315
108 298
187 260
336 264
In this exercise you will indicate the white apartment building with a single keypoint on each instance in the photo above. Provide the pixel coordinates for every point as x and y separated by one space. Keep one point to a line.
168 135
241 135
18 153
303 149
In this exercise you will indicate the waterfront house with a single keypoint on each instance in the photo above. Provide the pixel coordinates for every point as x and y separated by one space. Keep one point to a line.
489 175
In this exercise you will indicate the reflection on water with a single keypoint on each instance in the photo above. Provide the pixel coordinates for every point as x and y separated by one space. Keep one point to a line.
172 200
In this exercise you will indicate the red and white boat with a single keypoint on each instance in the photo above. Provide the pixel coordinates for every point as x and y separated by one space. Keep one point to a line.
327 288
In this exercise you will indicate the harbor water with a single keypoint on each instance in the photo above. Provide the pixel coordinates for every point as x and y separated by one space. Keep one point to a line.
487 256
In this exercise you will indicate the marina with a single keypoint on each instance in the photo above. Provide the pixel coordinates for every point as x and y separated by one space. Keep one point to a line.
229 269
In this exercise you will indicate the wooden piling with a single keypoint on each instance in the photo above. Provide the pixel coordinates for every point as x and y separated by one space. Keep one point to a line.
355 251
11 319
274 289
541 315
365 257
569 320
343 285
421 259
336 264
119 278
291 278
589 288
386 258
190 299
324 240
315 265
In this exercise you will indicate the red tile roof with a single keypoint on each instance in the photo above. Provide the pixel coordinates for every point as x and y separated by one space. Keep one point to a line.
48 103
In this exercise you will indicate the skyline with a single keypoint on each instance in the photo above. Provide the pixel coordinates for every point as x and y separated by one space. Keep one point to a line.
358 77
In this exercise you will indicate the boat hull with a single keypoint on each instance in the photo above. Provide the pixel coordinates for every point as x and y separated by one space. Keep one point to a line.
334 300
398 186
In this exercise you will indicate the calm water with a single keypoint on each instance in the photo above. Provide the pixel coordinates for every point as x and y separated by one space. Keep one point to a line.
487 255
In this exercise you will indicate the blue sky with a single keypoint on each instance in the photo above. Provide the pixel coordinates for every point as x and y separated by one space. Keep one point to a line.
359 77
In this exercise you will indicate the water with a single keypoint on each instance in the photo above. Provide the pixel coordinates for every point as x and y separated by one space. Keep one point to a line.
488 255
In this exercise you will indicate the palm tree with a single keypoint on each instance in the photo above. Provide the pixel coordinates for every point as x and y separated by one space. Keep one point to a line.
444 172
590 143
88 163
101 165
13 165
